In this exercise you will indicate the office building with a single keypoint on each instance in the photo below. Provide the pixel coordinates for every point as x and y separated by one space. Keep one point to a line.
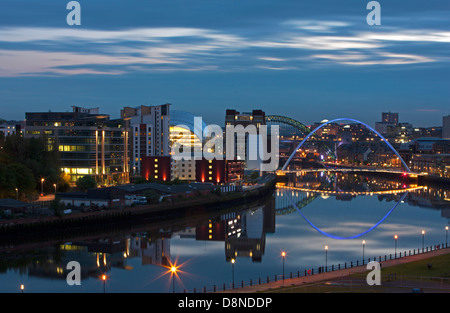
387 120
88 143
149 130
246 142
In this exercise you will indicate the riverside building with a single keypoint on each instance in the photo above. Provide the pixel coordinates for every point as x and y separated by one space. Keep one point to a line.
88 143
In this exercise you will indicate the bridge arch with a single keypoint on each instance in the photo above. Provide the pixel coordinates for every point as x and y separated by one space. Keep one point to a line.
288 121
338 120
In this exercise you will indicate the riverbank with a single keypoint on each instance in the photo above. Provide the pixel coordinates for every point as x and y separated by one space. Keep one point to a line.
354 279
160 211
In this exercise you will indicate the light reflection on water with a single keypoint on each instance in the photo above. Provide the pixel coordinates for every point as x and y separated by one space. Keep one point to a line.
136 260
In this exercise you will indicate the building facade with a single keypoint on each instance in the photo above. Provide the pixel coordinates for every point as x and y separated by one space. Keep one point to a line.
88 143
248 143
149 130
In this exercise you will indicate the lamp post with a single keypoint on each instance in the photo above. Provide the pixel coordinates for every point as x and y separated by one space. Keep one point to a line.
104 282
326 258
22 287
42 186
283 256
54 185
173 269
423 240
232 269
446 236
395 245
363 246
17 193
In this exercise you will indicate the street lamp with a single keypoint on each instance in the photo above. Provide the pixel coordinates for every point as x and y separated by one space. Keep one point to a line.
395 251
232 269
173 269
17 193
283 256
54 185
363 245
423 239
446 236
326 258
42 186
22 287
104 282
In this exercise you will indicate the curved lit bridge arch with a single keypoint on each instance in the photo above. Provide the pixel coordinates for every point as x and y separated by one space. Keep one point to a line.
354 236
302 128
344 119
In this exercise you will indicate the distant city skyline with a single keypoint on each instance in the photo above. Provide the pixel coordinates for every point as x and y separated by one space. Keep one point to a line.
307 60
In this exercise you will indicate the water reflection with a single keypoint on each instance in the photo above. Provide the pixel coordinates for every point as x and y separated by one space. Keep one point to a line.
333 204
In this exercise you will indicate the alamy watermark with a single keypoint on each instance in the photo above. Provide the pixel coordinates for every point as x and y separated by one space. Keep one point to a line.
374 276
374 16
74 16
74 276
238 142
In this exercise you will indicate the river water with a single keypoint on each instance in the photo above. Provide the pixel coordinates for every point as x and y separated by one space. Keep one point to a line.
303 216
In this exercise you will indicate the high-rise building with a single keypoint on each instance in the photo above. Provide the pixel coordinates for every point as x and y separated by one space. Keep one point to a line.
88 143
388 119
247 142
446 127
150 133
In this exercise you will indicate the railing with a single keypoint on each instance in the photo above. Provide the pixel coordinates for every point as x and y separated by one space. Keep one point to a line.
312 271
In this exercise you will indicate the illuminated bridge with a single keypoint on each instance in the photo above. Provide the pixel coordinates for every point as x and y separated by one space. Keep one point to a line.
352 193
295 130
311 134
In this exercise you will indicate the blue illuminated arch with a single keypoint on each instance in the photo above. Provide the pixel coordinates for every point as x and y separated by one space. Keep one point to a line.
344 119
350 237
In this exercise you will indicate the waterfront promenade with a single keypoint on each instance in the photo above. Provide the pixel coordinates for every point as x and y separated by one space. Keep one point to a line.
354 280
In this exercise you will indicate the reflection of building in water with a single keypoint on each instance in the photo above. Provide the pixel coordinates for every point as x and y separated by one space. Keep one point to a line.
428 197
243 232
95 258
150 250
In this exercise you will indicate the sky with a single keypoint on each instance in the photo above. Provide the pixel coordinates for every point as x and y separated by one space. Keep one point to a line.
309 60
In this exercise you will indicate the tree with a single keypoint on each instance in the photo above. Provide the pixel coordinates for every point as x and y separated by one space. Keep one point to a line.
86 182
14 176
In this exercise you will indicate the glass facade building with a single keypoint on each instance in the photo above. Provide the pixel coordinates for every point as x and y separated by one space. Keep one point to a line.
88 143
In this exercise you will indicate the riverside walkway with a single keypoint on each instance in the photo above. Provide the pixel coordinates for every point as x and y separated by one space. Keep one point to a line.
341 277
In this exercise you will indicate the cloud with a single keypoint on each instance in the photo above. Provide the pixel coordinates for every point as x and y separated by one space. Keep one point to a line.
296 43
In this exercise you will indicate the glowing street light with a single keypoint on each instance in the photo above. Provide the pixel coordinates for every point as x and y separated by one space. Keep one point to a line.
363 246
17 193
232 269
42 186
283 256
326 258
22 287
54 185
104 277
173 270
423 239
446 236
395 239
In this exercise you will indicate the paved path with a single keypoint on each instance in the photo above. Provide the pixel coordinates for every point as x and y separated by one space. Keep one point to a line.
334 275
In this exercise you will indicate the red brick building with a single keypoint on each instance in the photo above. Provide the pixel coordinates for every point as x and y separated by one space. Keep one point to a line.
218 171
156 168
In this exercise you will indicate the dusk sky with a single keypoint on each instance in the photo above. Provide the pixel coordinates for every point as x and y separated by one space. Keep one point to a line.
310 60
